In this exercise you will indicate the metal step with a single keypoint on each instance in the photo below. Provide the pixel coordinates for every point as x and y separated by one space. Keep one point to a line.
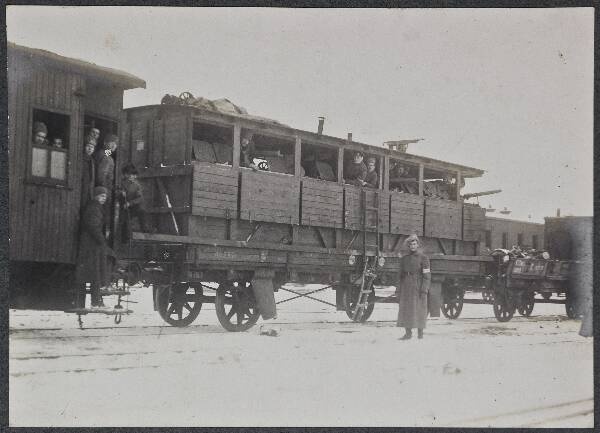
109 311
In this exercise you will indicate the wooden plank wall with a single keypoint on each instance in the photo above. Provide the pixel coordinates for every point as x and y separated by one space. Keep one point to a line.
443 219
473 223
270 197
43 219
171 138
215 190
322 203
353 208
406 213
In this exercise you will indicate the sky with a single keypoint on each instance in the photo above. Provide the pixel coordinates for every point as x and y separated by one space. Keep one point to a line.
509 91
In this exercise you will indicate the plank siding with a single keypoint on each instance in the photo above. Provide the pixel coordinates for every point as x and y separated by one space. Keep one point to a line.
270 197
406 214
214 190
443 219
473 223
353 209
322 203
43 219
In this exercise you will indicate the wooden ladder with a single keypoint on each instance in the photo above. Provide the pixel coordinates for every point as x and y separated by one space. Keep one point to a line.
368 275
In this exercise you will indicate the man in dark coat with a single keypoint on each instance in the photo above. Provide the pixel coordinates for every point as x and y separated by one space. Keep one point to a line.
415 279
248 151
88 172
371 180
105 172
132 200
92 265
356 172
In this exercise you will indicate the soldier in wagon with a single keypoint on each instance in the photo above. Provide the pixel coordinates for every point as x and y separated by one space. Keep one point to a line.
95 132
92 266
88 176
414 282
105 171
57 142
40 131
132 199
372 180
248 151
356 171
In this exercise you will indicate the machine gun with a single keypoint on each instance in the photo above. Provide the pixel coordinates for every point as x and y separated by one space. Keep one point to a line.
479 194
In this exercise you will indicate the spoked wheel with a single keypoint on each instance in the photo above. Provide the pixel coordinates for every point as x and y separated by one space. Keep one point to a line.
236 307
179 304
488 296
452 309
350 298
504 308
526 305
453 298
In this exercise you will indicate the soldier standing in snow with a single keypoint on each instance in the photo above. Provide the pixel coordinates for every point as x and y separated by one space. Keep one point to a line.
415 279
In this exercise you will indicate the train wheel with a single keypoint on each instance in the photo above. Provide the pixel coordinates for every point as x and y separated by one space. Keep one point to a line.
179 304
526 306
350 298
236 307
453 301
451 309
504 308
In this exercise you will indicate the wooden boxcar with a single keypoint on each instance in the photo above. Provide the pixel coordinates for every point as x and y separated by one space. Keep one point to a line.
68 95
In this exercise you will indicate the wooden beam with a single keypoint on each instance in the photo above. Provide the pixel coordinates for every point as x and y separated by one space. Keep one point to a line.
320 235
421 178
297 157
458 182
385 178
340 166
177 209
189 129
165 196
237 132
172 170
439 241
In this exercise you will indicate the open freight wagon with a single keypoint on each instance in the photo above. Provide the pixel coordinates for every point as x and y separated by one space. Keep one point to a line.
248 231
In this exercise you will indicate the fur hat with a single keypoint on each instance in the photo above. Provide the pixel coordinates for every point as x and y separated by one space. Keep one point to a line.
411 238
100 190
39 127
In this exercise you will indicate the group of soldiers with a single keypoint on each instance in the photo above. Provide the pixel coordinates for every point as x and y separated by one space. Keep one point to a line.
98 193
40 136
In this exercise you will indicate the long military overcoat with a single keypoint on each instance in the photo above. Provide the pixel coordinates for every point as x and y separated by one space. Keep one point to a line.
88 180
413 286
92 265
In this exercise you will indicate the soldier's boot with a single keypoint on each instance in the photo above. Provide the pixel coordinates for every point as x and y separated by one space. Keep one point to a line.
407 334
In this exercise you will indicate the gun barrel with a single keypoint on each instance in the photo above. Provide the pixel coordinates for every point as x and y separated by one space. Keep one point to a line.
482 193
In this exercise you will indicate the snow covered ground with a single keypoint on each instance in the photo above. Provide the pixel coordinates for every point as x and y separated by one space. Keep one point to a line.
321 370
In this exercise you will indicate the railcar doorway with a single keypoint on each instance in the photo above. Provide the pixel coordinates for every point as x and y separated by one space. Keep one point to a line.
106 126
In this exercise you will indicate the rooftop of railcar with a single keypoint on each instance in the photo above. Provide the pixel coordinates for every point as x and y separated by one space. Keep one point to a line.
123 79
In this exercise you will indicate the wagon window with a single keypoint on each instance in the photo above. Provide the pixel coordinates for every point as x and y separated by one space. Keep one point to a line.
50 143
404 177
319 162
212 143
440 184
267 153
352 169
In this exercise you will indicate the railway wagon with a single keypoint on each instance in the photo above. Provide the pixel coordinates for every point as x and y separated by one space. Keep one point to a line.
69 96
249 231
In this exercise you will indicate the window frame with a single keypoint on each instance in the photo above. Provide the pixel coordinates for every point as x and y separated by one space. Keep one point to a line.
47 180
